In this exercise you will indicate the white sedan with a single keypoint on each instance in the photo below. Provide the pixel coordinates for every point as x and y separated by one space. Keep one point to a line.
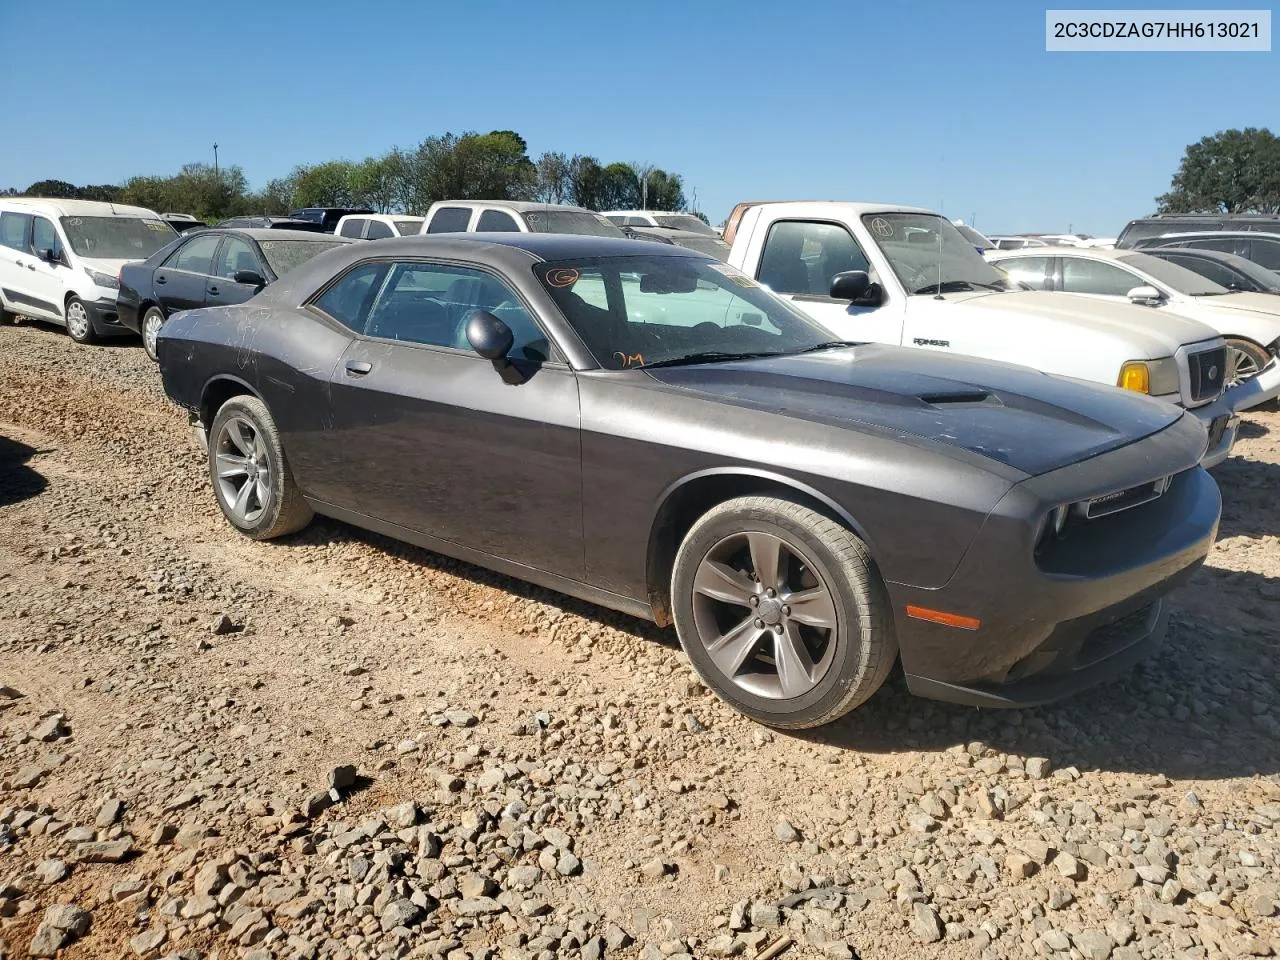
1250 322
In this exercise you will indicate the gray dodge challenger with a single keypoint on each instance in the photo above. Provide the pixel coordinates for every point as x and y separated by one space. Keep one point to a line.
648 429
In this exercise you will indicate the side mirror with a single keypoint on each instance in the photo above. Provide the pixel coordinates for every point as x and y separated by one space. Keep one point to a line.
250 278
50 256
488 335
850 285
1145 294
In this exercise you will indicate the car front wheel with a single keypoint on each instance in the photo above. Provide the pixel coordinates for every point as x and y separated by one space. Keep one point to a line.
782 611
250 474
152 321
79 324
1249 360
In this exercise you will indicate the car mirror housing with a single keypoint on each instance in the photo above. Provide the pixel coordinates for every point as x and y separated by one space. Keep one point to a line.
1145 294
250 277
51 256
488 335
850 285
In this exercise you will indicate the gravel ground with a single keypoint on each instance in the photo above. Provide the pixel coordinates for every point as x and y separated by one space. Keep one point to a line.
516 774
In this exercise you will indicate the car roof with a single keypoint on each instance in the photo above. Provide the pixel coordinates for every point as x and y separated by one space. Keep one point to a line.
1200 252
266 233
519 206
855 207
537 246
1093 253
1234 234
79 208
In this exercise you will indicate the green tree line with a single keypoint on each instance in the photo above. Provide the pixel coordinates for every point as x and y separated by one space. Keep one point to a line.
468 166
1233 171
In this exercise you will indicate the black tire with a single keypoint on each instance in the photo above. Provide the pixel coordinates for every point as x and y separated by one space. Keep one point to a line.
865 645
1255 353
147 316
7 317
77 330
285 511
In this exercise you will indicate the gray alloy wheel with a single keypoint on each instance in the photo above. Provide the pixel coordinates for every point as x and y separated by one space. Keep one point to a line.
781 611
152 321
79 326
251 478
1249 360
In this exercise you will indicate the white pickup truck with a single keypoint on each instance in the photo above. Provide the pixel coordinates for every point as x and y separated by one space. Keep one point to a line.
903 275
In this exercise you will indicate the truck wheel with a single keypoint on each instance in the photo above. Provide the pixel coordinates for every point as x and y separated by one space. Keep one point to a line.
79 324
781 611
251 478
1249 360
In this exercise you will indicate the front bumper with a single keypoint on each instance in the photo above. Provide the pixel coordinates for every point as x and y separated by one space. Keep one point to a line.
1081 612
105 317
1256 390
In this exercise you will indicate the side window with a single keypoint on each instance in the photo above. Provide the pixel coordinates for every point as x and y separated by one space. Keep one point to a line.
378 230
196 255
351 227
44 237
13 230
1093 276
450 220
801 257
348 300
1221 244
1032 271
1207 268
497 221
429 303
236 256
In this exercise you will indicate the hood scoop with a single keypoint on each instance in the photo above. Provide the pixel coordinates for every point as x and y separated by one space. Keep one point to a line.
958 397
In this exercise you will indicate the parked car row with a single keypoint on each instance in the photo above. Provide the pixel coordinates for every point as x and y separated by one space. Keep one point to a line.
766 445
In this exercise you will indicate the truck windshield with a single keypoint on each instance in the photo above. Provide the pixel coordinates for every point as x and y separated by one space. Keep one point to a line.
683 221
929 255
116 238
570 221
650 309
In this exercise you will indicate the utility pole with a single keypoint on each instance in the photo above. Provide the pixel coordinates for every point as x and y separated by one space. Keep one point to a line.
695 199
643 172
215 162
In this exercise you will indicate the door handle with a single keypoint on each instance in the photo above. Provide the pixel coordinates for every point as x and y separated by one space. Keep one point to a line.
162 279
359 367
214 291
31 266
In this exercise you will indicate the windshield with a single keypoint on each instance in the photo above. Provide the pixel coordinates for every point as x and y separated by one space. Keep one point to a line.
570 221
286 255
1184 281
649 308
973 236
929 255
409 226
683 221
116 238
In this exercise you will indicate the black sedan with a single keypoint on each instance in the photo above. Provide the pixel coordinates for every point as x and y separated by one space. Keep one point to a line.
1225 269
647 428
209 268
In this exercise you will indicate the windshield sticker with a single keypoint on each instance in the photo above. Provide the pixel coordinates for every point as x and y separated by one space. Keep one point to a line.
74 221
626 359
734 274
564 277
882 227
157 226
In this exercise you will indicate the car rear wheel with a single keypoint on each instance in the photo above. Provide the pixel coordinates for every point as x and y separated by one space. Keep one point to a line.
782 612
250 474
79 324
1249 360
152 321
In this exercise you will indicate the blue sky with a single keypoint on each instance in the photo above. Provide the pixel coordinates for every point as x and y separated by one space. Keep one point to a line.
947 105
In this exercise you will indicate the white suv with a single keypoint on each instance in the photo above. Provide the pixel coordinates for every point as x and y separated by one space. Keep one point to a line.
515 216
60 260
377 226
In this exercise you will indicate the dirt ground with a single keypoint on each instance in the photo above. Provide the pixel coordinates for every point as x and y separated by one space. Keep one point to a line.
1138 820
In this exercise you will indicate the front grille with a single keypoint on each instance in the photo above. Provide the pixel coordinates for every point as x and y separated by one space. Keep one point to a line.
1208 370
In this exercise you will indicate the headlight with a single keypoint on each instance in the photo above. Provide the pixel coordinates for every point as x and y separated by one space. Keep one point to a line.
1154 377
103 279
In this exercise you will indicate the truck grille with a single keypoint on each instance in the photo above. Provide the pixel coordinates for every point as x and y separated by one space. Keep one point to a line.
1208 373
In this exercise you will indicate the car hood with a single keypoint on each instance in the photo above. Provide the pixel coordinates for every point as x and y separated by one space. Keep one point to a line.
105 265
1017 416
1255 316
1161 334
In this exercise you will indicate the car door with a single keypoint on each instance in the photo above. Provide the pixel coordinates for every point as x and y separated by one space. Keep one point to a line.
435 438
47 277
236 255
181 281
797 262
18 269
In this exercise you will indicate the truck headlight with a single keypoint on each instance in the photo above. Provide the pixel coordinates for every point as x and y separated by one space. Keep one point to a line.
1154 377
104 280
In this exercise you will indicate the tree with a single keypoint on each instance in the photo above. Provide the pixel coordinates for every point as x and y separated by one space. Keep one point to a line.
1233 171
666 191
552 182
323 184
57 189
